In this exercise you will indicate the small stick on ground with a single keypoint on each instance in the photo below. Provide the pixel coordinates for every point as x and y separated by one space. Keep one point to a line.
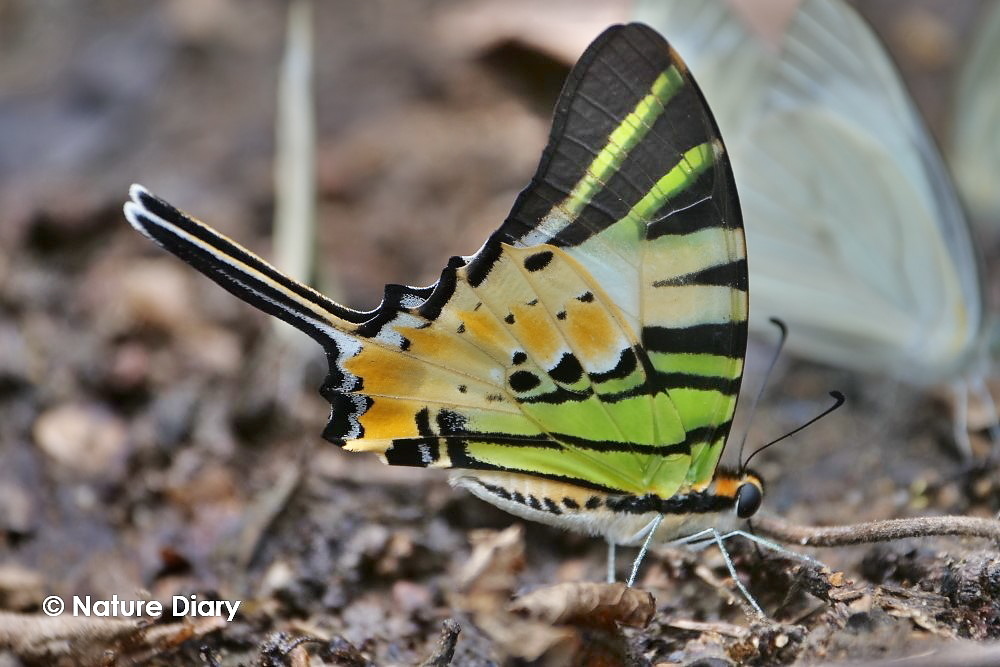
876 531
446 647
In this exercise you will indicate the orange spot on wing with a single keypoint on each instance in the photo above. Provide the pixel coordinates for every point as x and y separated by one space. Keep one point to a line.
390 418
484 330
450 350
534 327
591 331
385 371
429 343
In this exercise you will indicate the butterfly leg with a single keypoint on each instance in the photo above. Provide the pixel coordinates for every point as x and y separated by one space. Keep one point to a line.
732 572
702 539
651 530
697 541
773 546
611 562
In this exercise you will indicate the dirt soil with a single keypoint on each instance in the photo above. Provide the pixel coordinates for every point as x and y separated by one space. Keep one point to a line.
157 440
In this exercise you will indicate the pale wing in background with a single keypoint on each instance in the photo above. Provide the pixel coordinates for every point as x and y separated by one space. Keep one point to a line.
856 236
975 151
731 64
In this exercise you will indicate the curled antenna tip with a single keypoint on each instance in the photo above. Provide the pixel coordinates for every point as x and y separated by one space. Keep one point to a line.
780 324
837 396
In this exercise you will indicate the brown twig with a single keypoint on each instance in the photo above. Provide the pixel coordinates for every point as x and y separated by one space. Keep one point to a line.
445 652
876 531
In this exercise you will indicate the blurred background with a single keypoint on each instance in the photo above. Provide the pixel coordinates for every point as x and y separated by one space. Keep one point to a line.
145 443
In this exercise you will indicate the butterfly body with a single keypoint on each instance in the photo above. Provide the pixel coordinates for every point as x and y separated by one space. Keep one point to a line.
582 368
620 518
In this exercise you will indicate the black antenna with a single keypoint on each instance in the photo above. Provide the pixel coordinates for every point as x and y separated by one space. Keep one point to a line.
837 396
767 376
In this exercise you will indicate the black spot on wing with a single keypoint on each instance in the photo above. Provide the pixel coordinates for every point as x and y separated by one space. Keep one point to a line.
522 381
568 370
538 261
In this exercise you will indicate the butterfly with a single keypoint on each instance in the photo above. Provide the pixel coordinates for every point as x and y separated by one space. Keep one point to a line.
858 236
975 145
582 368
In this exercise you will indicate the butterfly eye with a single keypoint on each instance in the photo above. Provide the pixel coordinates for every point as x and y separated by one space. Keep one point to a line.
748 499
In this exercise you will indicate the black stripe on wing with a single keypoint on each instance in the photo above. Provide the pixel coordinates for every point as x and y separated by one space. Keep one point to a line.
613 75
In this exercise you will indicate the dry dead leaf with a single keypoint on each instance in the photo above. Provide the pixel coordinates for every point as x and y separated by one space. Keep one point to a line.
496 559
587 604
86 439
90 641
39 637
20 588
564 624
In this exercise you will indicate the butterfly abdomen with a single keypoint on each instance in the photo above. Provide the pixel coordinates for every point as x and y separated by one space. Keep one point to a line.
620 518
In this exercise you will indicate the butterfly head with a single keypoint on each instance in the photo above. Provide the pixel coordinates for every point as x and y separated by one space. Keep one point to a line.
745 488
749 495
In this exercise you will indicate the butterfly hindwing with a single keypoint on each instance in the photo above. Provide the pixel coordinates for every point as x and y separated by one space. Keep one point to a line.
597 337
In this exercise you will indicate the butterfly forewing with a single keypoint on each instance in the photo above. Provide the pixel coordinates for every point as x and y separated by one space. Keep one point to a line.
597 337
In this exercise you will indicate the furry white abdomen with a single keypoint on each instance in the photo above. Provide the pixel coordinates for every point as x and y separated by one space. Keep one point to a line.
583 510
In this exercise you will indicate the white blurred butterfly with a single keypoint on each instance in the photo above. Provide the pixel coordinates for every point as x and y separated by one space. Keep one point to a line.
857 237
975 140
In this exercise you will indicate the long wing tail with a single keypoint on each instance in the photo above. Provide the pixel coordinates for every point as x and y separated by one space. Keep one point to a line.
234 267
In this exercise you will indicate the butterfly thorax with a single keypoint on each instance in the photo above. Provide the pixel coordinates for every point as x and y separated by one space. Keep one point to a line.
620 518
